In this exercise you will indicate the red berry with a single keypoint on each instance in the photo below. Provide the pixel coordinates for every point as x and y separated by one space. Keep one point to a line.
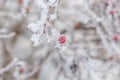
115 37
62 39
27 9
77 25
112 11
21 70
20 1
111 57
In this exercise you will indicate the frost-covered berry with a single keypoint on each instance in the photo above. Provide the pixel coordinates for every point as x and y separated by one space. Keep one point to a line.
20 1
21 70
27 9
77 25
62 39
111 57
112 11
115 37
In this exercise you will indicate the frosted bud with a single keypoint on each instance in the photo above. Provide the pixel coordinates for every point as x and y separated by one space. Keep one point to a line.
53 16
35 39
19 69
44 14
33 27
43 17
36 27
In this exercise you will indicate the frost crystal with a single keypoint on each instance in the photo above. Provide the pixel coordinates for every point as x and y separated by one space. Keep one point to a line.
49 39
44 14
55 33
53 16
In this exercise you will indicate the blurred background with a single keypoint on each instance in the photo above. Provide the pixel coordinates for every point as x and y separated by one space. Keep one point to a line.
92 29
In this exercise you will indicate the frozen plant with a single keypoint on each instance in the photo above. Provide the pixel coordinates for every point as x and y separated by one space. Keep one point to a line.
76 39
44 28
